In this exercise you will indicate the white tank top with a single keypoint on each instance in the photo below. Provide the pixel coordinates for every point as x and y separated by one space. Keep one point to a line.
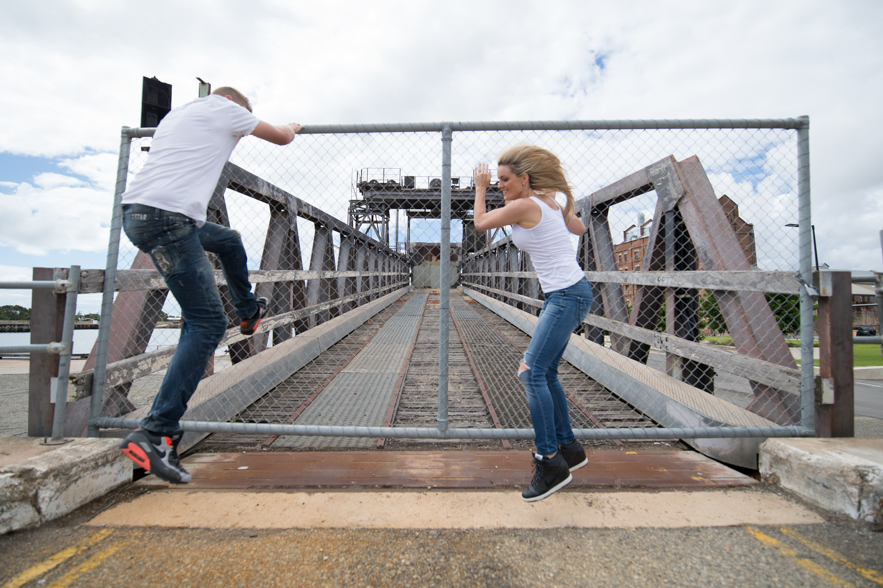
550 249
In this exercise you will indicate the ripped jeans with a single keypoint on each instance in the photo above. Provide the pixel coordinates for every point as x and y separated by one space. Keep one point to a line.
178 248
563 310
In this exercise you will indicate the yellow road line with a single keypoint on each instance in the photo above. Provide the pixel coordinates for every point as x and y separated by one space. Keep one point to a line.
871 575
800 561
53 561
88 565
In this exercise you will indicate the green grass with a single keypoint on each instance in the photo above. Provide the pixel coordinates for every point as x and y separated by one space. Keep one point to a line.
862 356
865 355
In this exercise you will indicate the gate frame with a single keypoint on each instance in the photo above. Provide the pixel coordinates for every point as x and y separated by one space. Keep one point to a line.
807 291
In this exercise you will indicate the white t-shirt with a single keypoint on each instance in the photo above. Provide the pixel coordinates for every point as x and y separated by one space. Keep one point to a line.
191 145
550 249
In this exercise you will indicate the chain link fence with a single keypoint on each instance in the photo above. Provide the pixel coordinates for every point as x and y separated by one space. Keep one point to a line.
352 232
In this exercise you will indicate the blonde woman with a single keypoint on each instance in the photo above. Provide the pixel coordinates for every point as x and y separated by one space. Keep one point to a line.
530 177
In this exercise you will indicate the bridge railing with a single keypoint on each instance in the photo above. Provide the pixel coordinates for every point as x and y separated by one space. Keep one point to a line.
690 272
666 178
313 267
52 341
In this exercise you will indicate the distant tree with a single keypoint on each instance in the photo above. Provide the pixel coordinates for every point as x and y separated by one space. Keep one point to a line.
710 316
14 313
785 307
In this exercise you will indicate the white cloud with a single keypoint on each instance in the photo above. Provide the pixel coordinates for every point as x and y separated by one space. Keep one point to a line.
49 181
57 213
11 273
99 169
73 74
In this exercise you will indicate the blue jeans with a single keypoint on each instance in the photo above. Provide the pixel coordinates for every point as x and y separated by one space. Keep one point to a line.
178 248
563 310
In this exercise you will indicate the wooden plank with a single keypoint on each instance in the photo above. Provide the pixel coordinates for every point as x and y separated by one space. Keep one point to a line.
667 183
345 261
777 282
740 365
631 185
647 301
451 470
502 294
134 317
361 269
47 322
836 419
130 369
217 213
289 295
747 314
251 185
223 395
136 280
586 257
605 260
668 401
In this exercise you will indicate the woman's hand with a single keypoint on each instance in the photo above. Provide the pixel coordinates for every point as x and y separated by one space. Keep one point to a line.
481 176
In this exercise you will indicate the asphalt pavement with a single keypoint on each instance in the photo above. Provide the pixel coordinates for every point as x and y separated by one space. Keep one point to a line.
69 552
833 550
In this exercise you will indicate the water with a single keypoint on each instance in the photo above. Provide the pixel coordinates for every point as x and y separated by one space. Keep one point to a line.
84 340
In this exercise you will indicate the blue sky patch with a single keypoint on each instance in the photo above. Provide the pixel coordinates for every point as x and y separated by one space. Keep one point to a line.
23 168
601 60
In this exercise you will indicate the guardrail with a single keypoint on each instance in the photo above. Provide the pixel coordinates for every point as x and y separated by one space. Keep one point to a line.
69 288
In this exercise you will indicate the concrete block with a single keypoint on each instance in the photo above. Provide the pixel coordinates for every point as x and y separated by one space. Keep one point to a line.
840 475
59 481
16 510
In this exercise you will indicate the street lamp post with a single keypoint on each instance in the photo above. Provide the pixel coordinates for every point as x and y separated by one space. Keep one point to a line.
814 248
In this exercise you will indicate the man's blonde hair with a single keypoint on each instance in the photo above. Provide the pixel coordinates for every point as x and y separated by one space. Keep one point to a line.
543 169
238 97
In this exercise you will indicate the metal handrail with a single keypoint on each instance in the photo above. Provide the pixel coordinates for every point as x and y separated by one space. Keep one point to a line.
62 348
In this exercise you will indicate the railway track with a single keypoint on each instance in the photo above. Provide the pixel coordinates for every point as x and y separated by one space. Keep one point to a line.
483 389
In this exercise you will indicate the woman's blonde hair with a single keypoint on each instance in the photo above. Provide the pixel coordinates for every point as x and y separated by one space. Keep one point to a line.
543 169
238 97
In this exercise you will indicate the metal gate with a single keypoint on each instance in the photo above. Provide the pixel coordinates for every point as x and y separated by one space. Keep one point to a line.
706 254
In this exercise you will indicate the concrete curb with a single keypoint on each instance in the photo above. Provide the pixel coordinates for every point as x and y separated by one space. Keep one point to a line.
839 475
54 483
874 372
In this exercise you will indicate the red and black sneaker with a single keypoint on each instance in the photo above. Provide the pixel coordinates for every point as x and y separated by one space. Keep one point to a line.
156 453
249 326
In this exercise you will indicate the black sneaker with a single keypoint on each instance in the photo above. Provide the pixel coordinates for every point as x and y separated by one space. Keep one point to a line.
249 326
550 475
156 453
574 454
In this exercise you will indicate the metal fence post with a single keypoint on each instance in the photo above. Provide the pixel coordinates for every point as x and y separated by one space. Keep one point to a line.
807 377
64 361
113 250
444 280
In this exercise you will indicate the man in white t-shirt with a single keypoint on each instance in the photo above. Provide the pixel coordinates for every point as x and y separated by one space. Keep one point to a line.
164 215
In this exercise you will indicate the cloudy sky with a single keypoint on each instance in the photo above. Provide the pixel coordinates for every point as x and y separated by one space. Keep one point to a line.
72 75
